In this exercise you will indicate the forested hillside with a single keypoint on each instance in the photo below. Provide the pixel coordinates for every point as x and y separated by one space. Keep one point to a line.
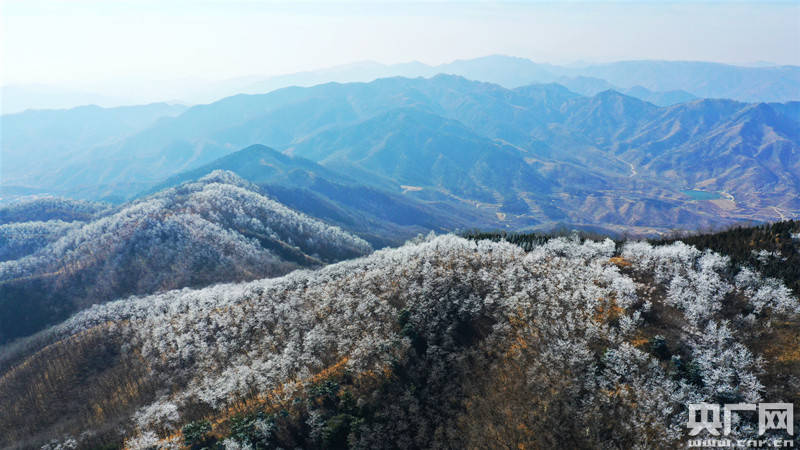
442 343
217 229
772 249
51 208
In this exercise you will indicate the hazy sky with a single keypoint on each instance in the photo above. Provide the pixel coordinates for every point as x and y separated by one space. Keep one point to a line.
75 41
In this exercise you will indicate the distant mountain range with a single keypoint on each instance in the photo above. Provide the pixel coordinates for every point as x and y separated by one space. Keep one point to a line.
42 142
458 153
660 82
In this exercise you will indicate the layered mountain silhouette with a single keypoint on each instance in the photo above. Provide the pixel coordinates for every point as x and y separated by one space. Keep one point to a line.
533 156
660 82
382 217
35 143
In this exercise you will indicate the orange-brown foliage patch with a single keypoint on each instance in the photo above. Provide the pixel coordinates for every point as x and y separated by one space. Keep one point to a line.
620 262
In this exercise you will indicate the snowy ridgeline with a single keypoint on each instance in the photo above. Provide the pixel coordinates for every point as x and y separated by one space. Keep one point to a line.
578 313
220 213
24 238
47 208
218 229
28 226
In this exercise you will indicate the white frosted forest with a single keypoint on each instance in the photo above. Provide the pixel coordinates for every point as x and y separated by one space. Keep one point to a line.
546 342
217 229
219 216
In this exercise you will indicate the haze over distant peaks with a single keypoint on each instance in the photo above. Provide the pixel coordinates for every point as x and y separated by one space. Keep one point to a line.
749 82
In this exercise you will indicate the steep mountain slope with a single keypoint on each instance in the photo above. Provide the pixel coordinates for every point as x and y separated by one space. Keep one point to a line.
607 117
589 148
382 217
416 148
750 151
260 164
788 109
207 132
382 352
549 97
217 229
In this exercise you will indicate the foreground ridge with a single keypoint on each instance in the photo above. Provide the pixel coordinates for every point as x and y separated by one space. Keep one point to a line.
384 351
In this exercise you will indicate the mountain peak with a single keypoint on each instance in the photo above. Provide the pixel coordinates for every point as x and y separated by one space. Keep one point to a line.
613 93
226 177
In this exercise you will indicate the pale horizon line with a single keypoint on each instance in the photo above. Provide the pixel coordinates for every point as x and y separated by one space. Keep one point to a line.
578 63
